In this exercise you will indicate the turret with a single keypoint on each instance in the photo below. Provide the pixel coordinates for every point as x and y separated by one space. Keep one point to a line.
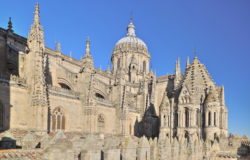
212 114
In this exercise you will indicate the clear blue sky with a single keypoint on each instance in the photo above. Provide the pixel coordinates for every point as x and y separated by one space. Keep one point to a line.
218 29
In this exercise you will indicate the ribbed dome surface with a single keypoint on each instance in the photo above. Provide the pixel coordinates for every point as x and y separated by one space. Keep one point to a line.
131 40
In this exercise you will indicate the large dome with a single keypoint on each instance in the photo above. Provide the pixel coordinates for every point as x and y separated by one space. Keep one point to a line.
131 42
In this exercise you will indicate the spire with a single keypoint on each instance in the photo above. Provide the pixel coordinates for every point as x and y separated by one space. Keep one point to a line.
178 68
131 29
10 27
37 15
36 36
178 75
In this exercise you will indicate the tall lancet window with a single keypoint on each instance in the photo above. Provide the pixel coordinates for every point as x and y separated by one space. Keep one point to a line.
1 115
58 119
186 117
214 118
101 123
209 119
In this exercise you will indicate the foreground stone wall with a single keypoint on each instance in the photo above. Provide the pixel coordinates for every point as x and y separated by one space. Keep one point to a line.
77 146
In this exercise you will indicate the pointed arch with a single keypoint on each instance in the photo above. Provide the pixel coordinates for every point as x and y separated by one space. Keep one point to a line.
65 84
58 119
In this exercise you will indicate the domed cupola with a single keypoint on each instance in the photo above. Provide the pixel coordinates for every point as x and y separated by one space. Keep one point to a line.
131 43
130 50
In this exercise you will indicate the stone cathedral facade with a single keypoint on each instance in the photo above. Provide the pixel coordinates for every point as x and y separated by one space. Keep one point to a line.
55 107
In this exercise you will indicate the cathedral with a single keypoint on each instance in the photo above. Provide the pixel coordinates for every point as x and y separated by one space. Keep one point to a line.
53 106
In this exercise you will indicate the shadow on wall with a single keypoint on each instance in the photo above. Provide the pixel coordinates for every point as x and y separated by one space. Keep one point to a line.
9 74
149 126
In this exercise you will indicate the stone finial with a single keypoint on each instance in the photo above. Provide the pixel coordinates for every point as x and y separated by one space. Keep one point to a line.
188 62
87 48
58 47
131 29
70 55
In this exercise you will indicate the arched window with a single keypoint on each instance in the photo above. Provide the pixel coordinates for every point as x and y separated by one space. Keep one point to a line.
144 66
1 115
197 117
209 118
98 95
64 86
58 120
186 117
101 123
214 118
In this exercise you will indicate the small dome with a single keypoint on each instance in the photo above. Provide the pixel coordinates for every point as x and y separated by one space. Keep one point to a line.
131 42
